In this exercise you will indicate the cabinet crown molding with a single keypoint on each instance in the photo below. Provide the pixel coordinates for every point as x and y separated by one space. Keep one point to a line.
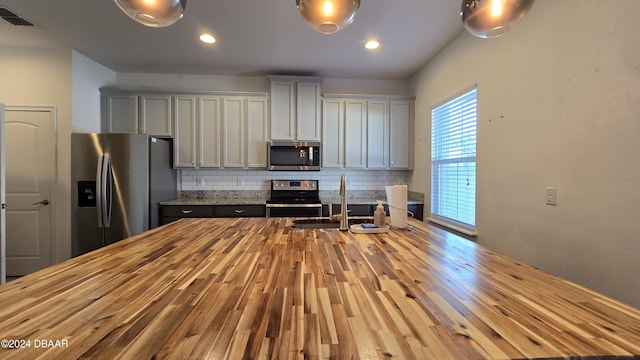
368 96
295 78
129 91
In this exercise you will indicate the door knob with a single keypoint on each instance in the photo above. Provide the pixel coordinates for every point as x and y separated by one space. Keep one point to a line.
43 202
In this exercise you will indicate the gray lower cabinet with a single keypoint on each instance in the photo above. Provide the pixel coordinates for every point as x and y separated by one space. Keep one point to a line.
354 209
240 211
169 213
417 210
368 209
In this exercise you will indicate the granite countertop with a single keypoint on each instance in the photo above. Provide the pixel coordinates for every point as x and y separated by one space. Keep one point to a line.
363 201
240 197
184 202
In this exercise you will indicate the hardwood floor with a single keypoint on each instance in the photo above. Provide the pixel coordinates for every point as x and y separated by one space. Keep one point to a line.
258 289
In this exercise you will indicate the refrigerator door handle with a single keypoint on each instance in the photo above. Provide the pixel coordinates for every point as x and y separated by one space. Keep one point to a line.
108 190
99 190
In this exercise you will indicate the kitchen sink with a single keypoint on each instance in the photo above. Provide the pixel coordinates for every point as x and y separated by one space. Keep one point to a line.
327 223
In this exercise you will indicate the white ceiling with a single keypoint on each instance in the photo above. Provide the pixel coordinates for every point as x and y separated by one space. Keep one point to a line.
255 37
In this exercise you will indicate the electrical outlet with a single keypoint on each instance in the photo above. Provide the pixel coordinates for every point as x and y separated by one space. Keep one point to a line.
200 182
551 196
240 182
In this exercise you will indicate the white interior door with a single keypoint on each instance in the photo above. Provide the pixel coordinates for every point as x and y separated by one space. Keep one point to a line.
30 161
3 243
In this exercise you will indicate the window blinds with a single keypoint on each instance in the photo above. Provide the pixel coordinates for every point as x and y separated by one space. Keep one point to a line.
453 159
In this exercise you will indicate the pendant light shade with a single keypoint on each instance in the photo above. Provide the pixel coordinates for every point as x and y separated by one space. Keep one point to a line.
153 13
492 18
328 16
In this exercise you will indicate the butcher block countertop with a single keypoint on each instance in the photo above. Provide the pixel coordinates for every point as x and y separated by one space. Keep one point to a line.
258 289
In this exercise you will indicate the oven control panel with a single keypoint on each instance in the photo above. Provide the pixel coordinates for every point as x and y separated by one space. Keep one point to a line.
309 185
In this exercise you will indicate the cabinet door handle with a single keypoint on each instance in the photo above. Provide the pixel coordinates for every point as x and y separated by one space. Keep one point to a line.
187 211
238 211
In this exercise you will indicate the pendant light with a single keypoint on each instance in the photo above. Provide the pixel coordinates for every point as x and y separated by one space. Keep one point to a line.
492 18
328 16
153 13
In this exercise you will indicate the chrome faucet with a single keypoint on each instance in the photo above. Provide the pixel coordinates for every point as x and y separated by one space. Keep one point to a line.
344 220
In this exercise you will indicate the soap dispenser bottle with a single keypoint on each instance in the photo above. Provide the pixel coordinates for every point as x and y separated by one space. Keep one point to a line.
379 216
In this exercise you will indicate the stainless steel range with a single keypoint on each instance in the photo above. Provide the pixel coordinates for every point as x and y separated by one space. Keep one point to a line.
294 198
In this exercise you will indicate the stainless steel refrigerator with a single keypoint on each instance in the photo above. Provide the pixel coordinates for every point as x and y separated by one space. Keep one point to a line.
117 181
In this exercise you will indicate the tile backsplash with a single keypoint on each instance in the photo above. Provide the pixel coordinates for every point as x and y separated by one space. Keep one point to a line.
260 180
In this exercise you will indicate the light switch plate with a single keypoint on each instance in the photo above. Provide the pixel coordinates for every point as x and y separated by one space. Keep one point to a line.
551 196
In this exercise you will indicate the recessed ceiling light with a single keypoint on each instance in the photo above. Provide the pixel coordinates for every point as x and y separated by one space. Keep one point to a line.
372 45
206 38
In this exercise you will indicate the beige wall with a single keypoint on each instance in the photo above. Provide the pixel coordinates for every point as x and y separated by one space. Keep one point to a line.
87 78
42 77
558 105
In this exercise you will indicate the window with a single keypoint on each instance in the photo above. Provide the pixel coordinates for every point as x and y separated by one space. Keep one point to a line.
453 160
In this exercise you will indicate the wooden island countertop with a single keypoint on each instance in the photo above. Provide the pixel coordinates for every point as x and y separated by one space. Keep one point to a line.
256 288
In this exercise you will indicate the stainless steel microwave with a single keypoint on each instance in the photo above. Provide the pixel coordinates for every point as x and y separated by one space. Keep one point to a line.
293 155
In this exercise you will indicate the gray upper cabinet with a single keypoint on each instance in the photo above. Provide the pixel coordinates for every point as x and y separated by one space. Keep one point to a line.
401 131
308 110
210 129
120 113
233 129
155 115
214 129
244 131
257 131
197 131
355 122
225 131
377 134
127 112
333 133
282 110
295 108
186 151
372 132
208 132
344 123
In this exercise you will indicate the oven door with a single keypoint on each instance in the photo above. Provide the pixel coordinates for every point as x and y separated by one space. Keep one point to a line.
294 210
